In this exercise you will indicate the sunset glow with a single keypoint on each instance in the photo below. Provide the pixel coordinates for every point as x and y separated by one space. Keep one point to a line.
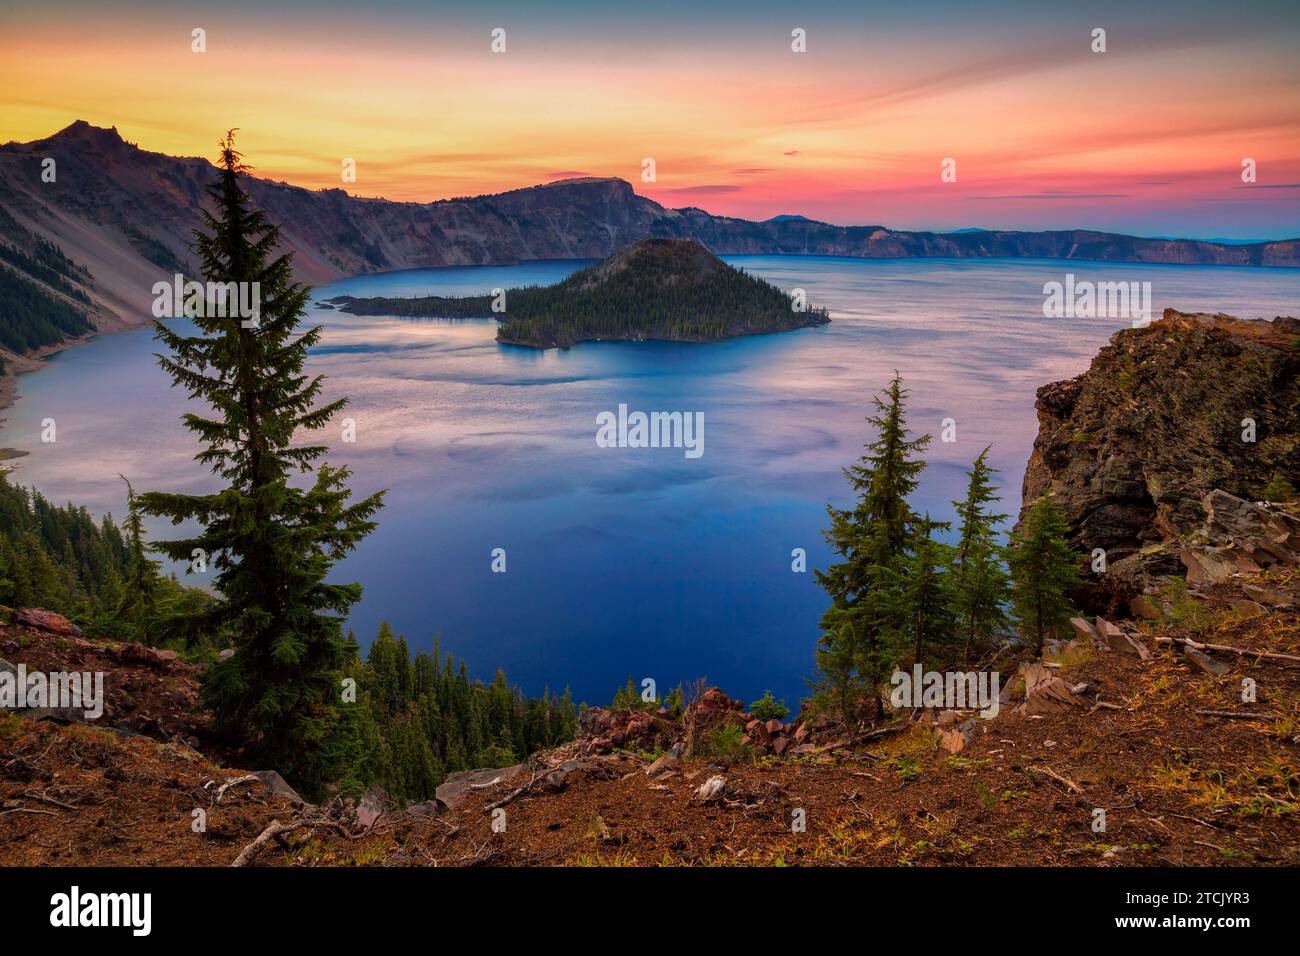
1147 138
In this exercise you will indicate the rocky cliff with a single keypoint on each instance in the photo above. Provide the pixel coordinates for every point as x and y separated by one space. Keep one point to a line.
1167 414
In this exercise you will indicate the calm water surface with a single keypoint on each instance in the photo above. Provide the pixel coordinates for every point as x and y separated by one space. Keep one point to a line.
625 561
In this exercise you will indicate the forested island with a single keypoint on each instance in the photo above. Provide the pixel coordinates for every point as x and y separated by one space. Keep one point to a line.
666 289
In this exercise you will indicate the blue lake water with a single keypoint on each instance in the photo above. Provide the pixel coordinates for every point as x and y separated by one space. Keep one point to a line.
625 561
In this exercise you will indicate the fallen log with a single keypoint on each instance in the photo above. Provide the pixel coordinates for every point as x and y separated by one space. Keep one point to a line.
862 738
273 830
1240 651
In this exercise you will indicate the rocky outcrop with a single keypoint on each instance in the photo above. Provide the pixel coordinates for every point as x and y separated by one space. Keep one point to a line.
147 691
1132 449
1239 537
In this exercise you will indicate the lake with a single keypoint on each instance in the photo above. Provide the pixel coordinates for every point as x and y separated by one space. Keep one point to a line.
625 561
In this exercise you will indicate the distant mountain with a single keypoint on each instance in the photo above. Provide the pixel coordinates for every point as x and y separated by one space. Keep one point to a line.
664 289
127 215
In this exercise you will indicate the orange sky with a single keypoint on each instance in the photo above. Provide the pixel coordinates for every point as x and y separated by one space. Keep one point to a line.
1148 137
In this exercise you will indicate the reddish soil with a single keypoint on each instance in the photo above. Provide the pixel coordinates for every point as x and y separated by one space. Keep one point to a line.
1177 787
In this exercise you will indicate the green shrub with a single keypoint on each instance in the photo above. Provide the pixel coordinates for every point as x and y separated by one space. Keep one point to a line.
725 743
1279 489
768 707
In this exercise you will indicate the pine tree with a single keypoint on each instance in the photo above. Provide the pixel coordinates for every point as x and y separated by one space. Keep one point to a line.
271 543
138 607
1045 571
856 648
980 584
924 593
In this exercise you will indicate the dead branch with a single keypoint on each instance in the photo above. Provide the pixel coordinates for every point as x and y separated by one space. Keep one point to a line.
862 738
273 829
1235 714
37 795
1049 772
1239 651
1105 704
510 796
232 783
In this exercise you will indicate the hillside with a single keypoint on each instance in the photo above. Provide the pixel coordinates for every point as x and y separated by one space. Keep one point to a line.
124 217
666 289
1187 773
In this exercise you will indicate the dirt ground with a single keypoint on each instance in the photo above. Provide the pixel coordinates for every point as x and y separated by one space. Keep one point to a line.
1176 787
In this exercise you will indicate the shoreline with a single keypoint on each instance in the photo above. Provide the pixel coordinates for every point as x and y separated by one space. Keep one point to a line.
34 361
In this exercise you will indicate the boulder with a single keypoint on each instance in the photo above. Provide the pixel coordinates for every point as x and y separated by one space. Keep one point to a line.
1053 696
454 790
278 786
668 761
46 621
1267 596
1082 629
373 805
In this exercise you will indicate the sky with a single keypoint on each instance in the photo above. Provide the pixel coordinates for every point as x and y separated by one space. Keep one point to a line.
1148 137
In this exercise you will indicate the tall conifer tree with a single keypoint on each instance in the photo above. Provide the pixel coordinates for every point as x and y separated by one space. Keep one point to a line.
872 538
1045 570
980 584
138 607
272 543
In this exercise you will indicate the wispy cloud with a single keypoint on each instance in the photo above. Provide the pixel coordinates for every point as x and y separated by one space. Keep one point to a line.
702 190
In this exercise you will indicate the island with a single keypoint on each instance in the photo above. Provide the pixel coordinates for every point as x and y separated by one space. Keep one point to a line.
672 290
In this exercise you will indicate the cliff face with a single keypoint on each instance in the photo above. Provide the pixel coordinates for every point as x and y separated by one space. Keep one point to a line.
128 215
1131 448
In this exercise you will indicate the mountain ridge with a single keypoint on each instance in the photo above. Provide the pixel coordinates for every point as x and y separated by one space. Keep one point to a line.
127 215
